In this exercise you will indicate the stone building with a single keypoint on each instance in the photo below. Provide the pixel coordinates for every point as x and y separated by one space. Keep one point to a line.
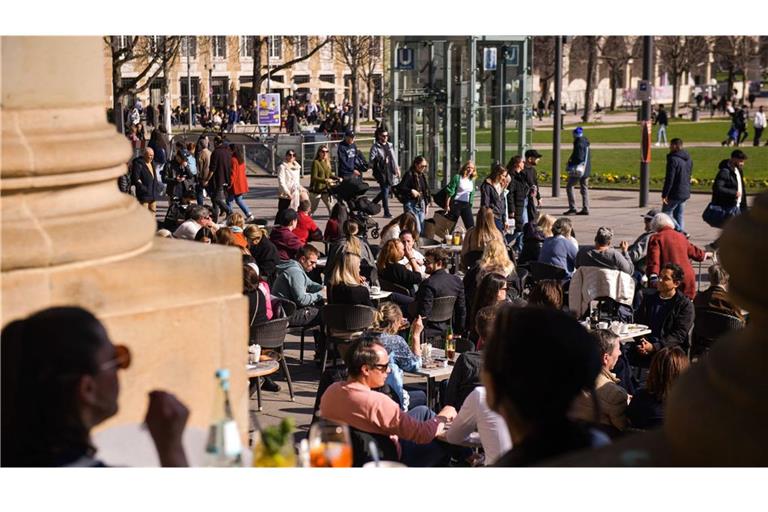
221 70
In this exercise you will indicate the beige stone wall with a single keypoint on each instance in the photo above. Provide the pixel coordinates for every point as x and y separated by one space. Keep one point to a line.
69 237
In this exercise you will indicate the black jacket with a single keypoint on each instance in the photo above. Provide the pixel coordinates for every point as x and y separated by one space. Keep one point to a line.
267 257
416 181
442 284
725 187
399 274
675 327
491 199
677 182
533 179
344 294
221 168
580 154
518 191
465 377
148 186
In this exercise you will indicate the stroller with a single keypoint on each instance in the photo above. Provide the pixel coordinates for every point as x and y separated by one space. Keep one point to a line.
351 192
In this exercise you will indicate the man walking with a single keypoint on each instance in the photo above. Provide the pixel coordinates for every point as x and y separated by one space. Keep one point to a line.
218 180
385 169
532 158
677 183
759 125
662 120
350 158
579 167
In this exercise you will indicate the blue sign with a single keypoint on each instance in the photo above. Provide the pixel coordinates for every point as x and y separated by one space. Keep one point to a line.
512 55
405 59
489 59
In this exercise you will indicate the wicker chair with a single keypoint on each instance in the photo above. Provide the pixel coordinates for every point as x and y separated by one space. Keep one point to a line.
541 271
271 336
289 307
388 286
442 312
343 317
709 326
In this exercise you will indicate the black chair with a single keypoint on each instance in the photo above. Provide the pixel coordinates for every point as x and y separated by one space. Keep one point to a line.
271 336
393 287
361 451
289 308
709 326
541 271
343 317
442 313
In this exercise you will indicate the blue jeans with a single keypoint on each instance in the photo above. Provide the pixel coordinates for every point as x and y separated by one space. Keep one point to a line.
675 210
662 134
417 209
240 203
383 196
432 454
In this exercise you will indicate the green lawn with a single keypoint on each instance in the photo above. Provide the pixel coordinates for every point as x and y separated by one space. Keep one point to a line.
704 131
621 167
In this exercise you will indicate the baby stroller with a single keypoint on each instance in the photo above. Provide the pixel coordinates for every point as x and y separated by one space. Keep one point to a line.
351 192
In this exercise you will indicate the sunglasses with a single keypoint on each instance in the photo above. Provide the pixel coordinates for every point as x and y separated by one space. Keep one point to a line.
381 367
121 361
323 150
291 154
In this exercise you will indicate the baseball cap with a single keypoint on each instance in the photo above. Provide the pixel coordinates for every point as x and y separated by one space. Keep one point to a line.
349 133
651 213
579 131
532 153
739 155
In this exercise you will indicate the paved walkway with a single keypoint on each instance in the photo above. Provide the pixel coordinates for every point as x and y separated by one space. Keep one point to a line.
617 209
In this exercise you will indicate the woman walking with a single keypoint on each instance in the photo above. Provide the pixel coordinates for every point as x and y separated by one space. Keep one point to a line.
491 195
321 181
461 193
418 193
239 181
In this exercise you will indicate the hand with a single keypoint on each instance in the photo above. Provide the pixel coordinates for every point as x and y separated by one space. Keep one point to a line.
624 245
415 193
361 280
356 173
645 347
664 200
448 412
417 327
166 418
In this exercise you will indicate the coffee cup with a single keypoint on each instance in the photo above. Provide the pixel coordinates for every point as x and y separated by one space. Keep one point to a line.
375 290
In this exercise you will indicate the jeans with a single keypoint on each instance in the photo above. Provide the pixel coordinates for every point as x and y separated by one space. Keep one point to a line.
383 196
662 134
219 203
500 224
464 210
240 203
584 185
432 454
416 207
199 192
675 210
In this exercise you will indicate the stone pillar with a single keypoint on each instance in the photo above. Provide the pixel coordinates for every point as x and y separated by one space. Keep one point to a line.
71 238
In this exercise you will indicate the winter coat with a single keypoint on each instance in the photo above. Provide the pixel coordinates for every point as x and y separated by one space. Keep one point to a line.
147 183
677 182
289 183
286 242
725 187
383 160
491 199
580 155
669 246
519 189
221 168
238 179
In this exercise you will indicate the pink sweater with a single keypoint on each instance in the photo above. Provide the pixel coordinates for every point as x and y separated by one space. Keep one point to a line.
364 409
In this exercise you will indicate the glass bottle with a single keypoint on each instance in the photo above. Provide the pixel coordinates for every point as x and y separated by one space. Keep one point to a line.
223 447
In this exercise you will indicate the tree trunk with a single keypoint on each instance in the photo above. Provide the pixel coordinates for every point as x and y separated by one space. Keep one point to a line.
589 94
731 77
256 71
544 83
370 100
614 86
117 100
355 100
675 93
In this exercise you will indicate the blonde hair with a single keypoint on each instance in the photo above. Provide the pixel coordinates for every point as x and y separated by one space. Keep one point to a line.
390 253
236 219
351 229
253 233
388 318
347 270
496 255
484 231
545 223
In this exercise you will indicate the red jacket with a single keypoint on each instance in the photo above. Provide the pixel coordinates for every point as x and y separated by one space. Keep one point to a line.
669 246
238 180
304 227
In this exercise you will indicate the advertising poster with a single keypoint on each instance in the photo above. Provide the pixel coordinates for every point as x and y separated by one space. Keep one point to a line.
269 109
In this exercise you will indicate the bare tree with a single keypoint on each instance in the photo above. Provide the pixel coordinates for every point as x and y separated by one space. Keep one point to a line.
354 51
734 54
678 55
368 68
616 51
544 62
589 93
150 57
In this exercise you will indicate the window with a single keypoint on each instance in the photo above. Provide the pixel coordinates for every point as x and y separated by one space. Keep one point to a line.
192 41
123 41
219 47
300 46
275 47
376 46
246 46
195 91
156 43
326 52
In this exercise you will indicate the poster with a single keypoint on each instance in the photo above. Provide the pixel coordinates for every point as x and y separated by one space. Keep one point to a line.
489 59
269 109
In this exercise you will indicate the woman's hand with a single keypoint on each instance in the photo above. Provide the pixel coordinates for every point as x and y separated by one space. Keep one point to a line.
166 418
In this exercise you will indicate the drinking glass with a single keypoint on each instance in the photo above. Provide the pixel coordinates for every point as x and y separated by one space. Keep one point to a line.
450 348
329 445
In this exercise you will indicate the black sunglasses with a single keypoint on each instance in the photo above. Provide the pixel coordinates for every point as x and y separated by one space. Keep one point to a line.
381 367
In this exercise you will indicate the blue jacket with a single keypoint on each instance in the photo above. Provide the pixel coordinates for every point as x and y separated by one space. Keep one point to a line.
579 154
350 158
677 182
294 284
560 252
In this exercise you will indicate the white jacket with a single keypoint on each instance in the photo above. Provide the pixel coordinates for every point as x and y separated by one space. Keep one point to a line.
590 283
289 182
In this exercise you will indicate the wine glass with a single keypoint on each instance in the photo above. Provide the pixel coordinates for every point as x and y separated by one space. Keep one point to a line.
329 445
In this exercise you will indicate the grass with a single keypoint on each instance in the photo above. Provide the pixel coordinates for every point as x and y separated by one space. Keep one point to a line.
621 167
703 131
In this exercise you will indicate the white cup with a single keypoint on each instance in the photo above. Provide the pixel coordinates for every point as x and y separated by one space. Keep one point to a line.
602 325
375 290
384 464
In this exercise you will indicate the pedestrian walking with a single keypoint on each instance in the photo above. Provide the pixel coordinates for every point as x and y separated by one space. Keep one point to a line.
383 161
662 120
677 183
759 125
579 168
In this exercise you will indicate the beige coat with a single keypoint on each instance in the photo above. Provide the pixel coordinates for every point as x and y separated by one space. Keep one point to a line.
612 399
590 283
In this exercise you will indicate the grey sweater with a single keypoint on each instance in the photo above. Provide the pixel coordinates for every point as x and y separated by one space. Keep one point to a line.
610 258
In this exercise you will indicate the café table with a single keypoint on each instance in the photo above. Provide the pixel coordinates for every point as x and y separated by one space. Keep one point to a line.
455 251
378 297
634 331
267 365
435 373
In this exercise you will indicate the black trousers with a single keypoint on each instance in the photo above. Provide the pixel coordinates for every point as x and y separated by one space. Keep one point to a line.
282 204
464 210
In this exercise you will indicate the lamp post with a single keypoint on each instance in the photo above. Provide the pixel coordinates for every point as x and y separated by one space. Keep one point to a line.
189 86
646 119
556 129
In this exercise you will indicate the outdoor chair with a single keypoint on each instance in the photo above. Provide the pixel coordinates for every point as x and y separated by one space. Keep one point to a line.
343 318
709 326
271 336
393 287
541 271
289 308
361 451
442 312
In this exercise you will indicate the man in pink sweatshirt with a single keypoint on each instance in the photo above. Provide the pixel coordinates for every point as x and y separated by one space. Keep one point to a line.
355 403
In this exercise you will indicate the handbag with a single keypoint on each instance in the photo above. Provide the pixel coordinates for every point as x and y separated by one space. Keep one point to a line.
578 170
441 197
716 215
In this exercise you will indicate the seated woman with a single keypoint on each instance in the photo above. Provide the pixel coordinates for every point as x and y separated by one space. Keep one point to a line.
547 293
390 269
534 234
646 410
492 291
258 293
353 243
406 221
346 285
337 219
561 249
264 252
59 380
388 323
478 237
495 259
